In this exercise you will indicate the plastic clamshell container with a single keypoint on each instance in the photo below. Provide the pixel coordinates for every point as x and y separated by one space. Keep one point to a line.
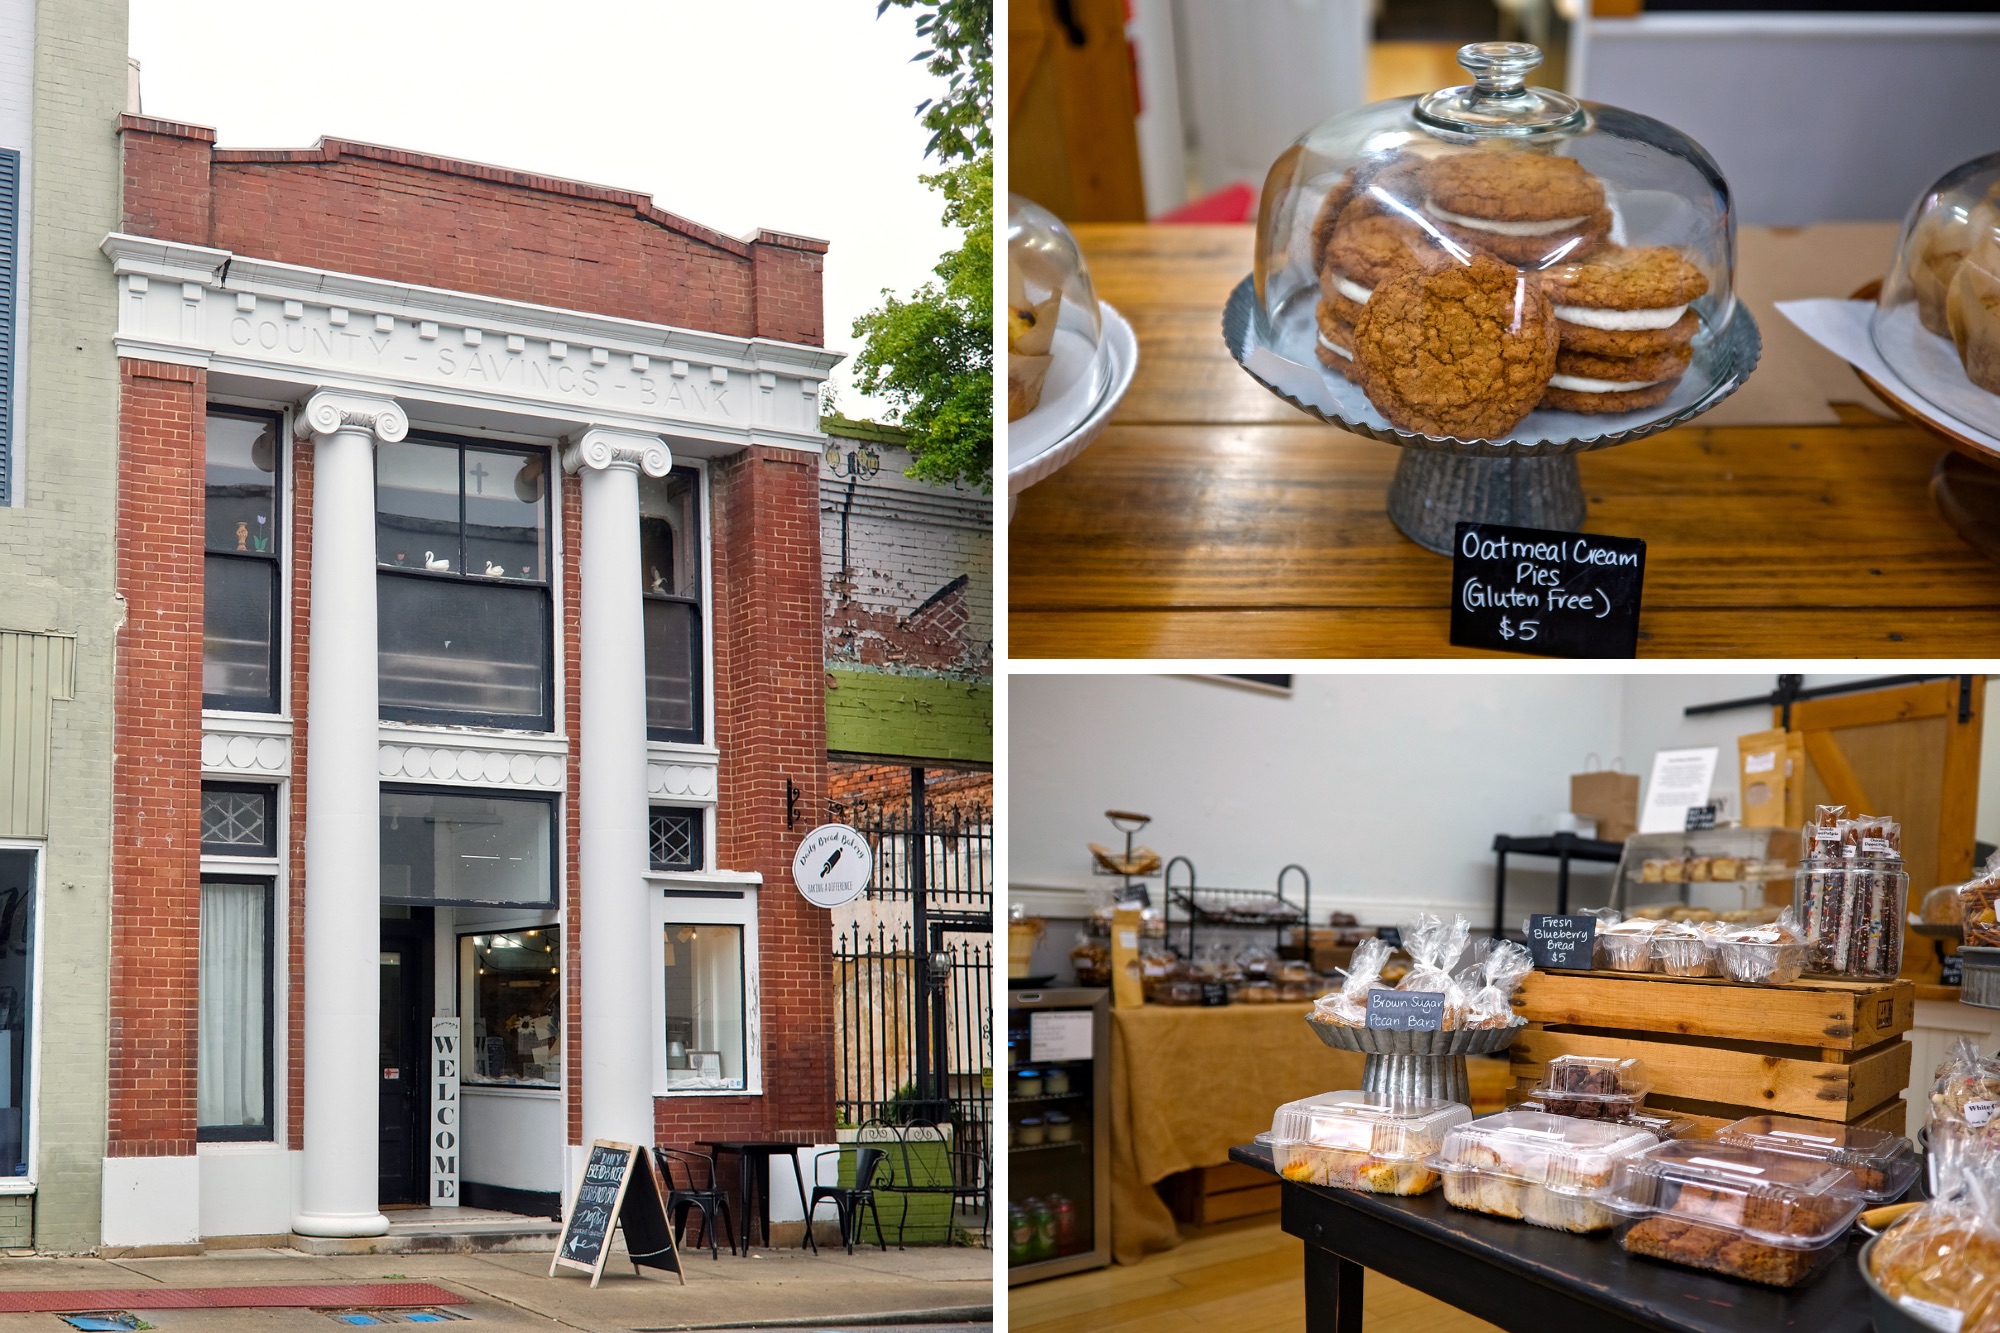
1763 1216
1550 1170
1593 1087
1362 1140
1883 1164
1657 1123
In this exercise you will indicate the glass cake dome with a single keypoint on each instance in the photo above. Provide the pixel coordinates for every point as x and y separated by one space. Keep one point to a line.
1496 269
1937 322
1054 328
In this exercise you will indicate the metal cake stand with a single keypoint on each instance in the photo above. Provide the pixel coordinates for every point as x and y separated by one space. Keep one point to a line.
1441 482
1416 1064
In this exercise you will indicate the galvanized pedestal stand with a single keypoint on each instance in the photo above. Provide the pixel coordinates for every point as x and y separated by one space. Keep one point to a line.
1416 1064
1441 483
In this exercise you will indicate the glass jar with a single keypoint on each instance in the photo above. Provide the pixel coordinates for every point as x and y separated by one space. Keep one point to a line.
1057 1127
1030 1132
1937 321
1055 1083
1852 915
1028 1083
1497 264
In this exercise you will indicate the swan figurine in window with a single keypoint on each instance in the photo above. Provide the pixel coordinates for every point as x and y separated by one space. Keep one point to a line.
431 561
495 570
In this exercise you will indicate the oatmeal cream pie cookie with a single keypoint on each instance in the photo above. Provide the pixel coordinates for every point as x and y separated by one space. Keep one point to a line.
1359 191
1525 207
1336 341
1626 301
1365 250
1459 349
1586 383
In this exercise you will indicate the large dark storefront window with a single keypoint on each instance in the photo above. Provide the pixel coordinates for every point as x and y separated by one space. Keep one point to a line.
670 555
17 993
239 653
462 594
470 848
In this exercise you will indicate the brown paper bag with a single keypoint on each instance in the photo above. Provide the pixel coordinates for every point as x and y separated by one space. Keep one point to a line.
1611 798
1127 990
1764 770
1795 780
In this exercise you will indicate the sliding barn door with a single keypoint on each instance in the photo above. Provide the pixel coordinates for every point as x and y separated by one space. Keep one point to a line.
1910 752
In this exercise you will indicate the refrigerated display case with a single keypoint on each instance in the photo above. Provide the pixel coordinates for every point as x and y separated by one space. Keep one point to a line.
1058 1100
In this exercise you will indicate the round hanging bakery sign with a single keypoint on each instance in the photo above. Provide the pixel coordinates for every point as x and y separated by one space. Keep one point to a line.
833 865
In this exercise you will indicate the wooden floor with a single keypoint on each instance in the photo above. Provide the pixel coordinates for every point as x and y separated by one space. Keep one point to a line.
1240 1277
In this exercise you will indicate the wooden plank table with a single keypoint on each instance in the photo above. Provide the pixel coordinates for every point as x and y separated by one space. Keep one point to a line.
1213 520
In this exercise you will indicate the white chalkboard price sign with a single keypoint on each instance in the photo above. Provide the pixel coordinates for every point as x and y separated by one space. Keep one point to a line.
621 1187
1553 594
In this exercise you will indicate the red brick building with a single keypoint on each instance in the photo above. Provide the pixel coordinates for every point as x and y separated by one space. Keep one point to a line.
471 687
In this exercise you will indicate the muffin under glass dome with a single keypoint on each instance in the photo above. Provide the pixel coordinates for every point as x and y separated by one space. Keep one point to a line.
1937 323
1497 267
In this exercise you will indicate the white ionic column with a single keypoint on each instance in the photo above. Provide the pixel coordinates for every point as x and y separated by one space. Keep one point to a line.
343 908
618 948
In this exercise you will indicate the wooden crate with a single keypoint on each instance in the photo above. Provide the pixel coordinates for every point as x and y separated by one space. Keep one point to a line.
1718 1051
1210 1194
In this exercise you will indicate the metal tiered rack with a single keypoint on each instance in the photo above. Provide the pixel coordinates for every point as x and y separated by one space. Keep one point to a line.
1236 909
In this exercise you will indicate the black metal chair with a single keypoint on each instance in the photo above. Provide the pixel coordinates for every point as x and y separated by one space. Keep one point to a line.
849 1200
972 1187
702 1192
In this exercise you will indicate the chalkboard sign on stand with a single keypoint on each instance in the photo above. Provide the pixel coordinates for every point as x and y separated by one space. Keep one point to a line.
621 1186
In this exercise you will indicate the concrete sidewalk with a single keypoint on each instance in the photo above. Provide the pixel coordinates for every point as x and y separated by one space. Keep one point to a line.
773 1288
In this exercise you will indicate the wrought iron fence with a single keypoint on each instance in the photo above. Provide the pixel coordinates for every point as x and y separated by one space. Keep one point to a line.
956 867
913 977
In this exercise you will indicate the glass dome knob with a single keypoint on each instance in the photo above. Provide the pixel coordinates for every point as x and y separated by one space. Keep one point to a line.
1498 102
1499 68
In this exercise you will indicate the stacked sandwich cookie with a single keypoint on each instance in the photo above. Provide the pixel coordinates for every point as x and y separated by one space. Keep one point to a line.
1625 326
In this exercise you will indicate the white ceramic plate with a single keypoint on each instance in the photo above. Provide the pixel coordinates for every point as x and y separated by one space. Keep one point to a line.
1034 448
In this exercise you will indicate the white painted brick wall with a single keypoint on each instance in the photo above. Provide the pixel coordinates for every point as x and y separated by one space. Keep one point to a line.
905 540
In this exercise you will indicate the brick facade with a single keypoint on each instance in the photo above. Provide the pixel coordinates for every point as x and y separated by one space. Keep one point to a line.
156 810
423 220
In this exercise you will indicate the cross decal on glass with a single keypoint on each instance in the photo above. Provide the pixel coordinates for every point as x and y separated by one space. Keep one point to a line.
479 474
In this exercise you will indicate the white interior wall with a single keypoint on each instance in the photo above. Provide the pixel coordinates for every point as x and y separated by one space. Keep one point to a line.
1388 789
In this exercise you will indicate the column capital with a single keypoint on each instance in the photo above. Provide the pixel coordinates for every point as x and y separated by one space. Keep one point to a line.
327 412
601 447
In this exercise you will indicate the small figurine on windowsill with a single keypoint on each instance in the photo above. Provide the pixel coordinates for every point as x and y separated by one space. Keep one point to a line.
242 536
432 561
495 570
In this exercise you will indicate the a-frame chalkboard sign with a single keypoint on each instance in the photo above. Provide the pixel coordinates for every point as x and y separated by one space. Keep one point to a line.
621 1187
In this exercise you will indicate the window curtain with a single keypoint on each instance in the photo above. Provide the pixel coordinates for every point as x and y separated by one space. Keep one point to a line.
234 997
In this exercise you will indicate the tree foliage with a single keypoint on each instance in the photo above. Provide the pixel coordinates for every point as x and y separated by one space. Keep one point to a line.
960 33
931 355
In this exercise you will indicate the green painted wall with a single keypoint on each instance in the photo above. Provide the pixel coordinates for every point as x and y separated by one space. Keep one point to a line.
909 717
56 546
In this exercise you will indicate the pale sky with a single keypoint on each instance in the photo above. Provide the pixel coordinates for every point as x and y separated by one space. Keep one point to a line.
797 115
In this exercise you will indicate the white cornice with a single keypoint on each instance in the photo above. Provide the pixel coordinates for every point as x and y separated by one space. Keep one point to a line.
194 305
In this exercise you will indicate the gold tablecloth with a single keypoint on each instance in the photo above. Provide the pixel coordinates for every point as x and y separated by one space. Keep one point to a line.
1189 1084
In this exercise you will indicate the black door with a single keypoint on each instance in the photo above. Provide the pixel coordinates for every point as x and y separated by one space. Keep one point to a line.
406 1008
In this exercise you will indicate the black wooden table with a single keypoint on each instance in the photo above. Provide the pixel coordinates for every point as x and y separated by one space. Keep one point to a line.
760 1152
1564 847
1535 1280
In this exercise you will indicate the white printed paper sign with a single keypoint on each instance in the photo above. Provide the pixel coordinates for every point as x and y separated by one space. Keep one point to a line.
1681 779
1060 1034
